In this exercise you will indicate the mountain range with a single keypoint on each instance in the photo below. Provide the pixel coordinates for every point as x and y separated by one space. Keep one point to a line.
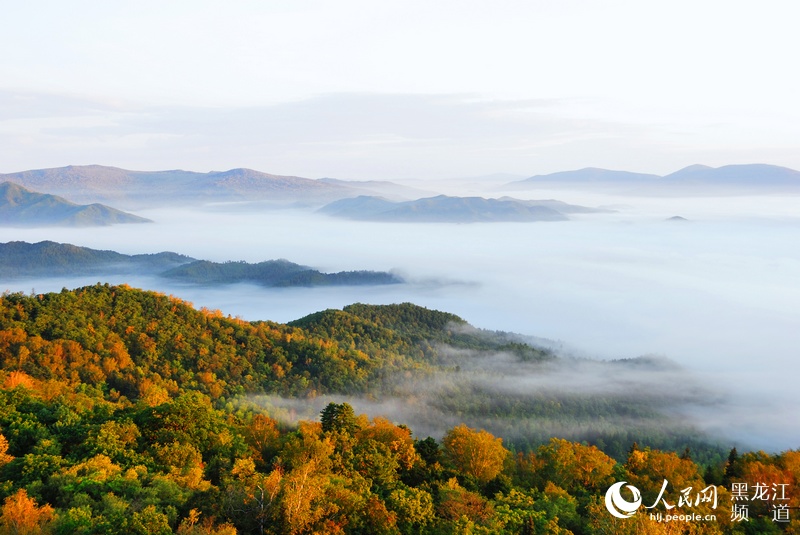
153 188
371 200
22 207
150 188
733 177
47 259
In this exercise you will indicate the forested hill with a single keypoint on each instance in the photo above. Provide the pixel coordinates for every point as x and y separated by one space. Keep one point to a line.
121 338
48 258
409 328
279 273
442 209
432 366
130 412
118 338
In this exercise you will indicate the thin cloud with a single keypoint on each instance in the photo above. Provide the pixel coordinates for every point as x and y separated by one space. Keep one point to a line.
345 135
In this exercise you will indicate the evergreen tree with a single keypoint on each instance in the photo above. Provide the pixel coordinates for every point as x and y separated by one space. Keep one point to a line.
338 417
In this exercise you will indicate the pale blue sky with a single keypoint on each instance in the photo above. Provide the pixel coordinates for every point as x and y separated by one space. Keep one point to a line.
411 89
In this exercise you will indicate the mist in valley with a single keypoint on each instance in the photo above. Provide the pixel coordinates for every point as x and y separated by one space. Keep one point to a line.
715 296
527 402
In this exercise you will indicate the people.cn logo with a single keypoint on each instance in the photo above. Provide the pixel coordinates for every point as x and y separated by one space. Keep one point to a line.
619 506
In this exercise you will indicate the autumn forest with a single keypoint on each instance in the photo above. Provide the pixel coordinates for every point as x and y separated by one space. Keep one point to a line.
126 411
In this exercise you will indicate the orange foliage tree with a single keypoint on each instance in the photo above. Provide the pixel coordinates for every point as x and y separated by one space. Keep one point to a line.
5 458
22 516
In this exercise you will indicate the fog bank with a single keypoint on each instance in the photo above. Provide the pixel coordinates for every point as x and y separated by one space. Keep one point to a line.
717 294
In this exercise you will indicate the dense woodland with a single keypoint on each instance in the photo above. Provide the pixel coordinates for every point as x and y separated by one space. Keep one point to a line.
124 411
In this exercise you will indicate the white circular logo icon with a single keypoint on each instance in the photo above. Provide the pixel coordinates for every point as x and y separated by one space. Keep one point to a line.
619 506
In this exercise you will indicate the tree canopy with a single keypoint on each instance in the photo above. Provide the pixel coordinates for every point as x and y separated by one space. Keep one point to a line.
124 411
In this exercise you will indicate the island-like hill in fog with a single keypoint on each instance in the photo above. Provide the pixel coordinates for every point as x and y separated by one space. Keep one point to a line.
278 273
21 207
445 209
50 259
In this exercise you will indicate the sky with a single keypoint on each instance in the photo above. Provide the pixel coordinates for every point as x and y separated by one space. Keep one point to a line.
397 90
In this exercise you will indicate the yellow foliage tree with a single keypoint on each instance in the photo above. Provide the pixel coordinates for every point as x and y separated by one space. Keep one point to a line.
397 438
648 469
261 434
569 464
192 525
476 453
303 492
253 495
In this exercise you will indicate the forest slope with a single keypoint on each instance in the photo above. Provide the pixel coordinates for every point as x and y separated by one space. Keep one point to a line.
430 364
124 411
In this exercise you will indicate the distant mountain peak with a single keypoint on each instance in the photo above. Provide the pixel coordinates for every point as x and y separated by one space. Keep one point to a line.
695 167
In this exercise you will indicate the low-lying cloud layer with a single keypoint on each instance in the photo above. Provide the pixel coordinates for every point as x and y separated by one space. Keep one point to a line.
717 295
528 402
